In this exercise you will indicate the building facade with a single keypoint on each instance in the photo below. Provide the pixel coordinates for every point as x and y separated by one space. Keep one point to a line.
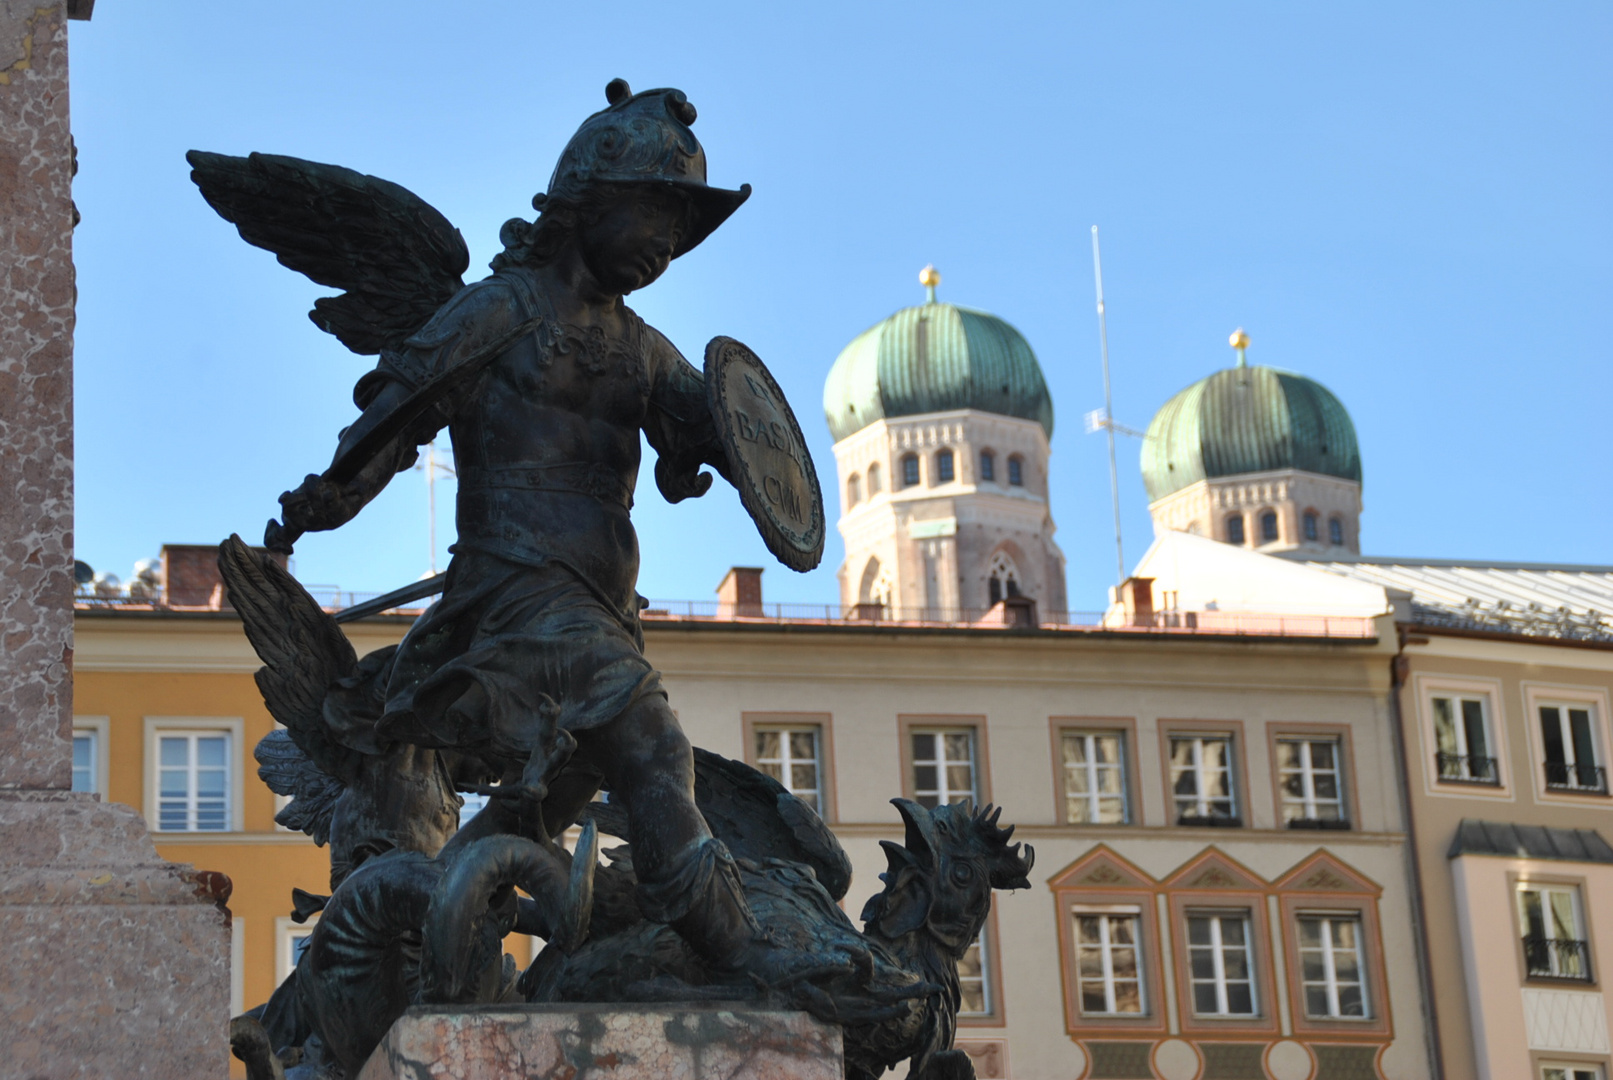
1220 883
1501 676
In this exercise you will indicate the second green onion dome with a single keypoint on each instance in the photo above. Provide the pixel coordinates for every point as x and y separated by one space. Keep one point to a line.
1248 420
934 358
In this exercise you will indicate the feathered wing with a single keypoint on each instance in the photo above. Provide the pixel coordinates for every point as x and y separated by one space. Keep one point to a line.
313 792
303 651
395 256
759 819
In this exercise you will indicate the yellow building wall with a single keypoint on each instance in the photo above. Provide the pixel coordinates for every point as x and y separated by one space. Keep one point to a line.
263 861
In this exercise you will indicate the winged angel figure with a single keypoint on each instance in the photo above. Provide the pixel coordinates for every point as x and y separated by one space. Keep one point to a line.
527 679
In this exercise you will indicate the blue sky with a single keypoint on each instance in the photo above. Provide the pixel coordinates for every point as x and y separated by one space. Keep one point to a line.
1408 203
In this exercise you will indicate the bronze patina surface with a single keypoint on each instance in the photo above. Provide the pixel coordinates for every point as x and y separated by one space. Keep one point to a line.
771 467
527 681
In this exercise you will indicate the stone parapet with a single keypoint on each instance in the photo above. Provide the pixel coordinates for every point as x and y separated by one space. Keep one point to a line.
607 1042
113 961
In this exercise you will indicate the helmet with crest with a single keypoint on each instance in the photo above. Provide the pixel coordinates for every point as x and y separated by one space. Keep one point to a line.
643 138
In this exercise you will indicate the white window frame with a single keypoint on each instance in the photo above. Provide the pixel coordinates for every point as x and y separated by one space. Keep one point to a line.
943 792
1552 695
787 761
1218 957
1427 688
1576 906
1330 982
1202 802
988 993
1571 1070
1106 950
1093 797
98 728
1461 740
1309 802
155 728
285 930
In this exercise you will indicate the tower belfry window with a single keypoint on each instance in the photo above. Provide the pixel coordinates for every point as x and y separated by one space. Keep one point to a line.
988 465
944 467
1335 532
1016 471
854 491
1003 578
1234 528
1268 526
873 479
910 470
1311 532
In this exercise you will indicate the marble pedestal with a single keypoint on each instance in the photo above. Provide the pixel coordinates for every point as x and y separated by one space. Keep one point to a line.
606 1042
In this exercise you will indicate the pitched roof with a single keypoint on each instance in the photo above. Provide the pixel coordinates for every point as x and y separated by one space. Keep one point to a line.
1475 837
1537 599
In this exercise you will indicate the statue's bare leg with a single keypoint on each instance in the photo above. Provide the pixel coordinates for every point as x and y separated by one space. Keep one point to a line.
686 877
649 768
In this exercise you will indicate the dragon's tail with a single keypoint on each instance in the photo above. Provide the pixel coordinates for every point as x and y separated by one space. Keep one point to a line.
467 919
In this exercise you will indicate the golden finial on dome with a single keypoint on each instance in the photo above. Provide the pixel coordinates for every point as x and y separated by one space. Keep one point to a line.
930 277
1240 341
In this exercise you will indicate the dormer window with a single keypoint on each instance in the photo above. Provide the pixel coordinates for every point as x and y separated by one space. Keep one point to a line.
910 470
988 465
943 467
1268 526
1234 528
1016 471
854 490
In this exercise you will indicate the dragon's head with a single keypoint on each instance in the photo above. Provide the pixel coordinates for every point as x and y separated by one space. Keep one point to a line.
941 880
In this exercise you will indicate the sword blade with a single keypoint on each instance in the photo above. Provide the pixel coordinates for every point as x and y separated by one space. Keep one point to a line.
416 591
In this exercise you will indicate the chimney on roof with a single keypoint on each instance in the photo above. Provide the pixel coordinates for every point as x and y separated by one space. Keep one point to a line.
740 592
1137 594
190 577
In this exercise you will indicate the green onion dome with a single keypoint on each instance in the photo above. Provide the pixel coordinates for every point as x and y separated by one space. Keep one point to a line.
1247 420
934 358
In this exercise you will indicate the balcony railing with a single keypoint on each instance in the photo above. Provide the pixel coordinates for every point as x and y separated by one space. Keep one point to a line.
1468 769
1318 823
1557 958
1210 821
1584 779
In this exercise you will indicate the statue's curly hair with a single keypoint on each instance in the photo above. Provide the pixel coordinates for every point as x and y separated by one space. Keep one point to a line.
537 243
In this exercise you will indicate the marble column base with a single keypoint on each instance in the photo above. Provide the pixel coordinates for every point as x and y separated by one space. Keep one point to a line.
113 961
606 1042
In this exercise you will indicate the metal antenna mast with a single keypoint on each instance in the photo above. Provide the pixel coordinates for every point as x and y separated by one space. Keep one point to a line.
1108 410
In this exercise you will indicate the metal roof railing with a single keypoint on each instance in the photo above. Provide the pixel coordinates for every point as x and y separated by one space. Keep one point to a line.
1006 617
999 618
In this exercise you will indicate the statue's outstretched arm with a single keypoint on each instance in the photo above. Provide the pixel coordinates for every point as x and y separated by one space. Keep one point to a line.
678 426
406 400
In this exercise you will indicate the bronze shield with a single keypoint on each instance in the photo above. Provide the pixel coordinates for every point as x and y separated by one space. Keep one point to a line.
767 454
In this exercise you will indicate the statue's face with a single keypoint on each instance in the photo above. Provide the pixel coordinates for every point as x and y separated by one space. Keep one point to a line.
630 243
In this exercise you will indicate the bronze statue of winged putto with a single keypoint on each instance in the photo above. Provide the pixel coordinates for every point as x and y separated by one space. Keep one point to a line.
527 679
